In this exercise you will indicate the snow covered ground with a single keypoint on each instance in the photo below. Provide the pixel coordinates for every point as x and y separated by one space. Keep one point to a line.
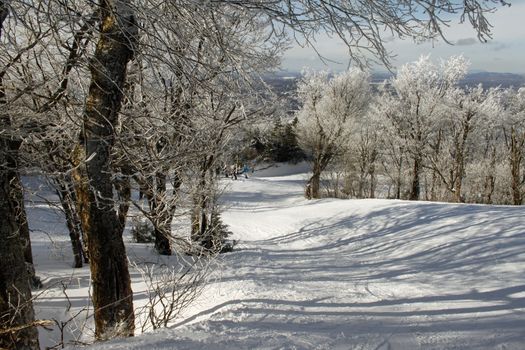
334 274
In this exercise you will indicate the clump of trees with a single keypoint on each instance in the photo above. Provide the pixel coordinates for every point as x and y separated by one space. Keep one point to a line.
272 142
282 144
113 97
423 137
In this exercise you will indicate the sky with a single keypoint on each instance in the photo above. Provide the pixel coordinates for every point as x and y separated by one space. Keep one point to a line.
504 53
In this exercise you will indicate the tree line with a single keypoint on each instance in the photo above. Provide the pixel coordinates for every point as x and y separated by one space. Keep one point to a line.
419 135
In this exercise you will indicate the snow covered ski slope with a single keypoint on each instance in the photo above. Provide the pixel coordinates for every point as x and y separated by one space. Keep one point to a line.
357 274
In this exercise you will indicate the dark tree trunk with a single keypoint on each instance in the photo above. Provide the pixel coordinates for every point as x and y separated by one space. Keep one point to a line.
123 187
202 229
16 262
434 185
112 294
515 160
199 219
16 307
372 173
435 171
162 217
399 179
313 184
458 195
17 191
161 208
80 182
321 160
416 185
67 199
490 180
162 241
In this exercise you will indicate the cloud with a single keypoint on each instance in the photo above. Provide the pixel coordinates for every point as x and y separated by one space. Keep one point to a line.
507 45
498 46
466 42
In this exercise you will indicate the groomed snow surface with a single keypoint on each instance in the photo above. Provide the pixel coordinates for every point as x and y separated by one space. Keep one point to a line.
333 274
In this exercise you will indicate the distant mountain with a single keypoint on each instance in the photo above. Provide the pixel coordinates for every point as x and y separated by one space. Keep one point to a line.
487 79
491 79
287 81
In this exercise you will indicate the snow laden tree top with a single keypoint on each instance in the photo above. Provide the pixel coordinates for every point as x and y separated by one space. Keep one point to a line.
413 102
330 107
514 104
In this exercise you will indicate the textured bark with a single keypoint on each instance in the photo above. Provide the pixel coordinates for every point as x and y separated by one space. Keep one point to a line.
16 308
163 216
80 183
112 294
199 218
68 199
161 210
201 207
313 184
323 154
11 145
123 187
17 192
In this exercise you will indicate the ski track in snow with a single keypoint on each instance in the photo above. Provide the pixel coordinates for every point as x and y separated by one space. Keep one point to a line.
354 274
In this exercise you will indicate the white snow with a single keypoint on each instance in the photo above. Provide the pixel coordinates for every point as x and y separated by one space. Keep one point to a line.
332 274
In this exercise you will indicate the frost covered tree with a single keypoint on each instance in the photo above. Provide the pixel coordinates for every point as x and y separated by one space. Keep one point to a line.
183 99
116 27
365 147
363 24
513 128
414 106
329 108
468 114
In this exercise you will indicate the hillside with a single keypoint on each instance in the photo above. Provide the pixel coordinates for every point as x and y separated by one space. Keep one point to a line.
356 274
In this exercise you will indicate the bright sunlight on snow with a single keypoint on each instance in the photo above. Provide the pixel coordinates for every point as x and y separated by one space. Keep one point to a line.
336 274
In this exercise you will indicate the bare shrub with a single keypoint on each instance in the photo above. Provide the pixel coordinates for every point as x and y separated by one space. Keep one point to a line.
170 289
